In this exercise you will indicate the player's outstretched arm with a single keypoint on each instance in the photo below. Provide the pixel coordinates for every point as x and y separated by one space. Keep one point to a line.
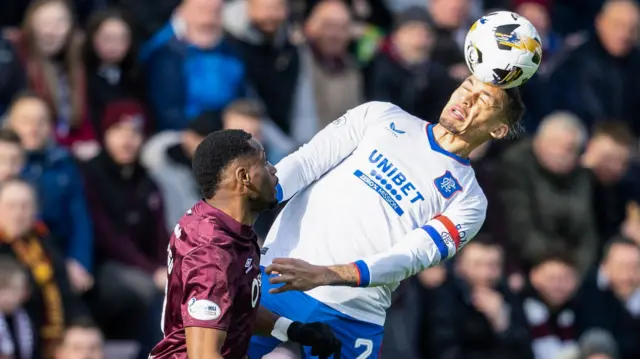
439 239
204 343
329 147
318 336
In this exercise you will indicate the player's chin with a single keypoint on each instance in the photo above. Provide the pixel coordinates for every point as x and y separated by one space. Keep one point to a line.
449 125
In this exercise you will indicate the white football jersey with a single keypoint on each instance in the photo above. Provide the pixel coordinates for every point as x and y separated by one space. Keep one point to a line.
367 189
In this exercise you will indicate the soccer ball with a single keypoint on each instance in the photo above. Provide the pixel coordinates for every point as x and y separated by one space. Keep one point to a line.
503 49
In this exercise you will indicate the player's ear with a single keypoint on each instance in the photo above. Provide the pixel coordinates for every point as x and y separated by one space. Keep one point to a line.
500 132
243 176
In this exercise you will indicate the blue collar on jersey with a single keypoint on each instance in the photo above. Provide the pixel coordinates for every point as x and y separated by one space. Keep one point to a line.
436 147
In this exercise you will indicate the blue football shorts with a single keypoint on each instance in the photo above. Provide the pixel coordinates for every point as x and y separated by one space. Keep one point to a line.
360 340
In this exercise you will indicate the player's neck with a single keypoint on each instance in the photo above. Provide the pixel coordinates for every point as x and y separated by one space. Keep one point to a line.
234 207
453 143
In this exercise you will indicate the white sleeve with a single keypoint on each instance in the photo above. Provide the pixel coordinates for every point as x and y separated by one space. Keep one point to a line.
328 148
439 239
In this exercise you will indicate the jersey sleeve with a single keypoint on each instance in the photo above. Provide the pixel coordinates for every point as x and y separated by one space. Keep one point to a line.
438 239
328 147
208 290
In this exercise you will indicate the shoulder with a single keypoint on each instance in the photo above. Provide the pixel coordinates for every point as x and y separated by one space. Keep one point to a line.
375 110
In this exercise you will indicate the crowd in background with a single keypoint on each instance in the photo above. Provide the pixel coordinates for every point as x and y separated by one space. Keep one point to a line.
103 103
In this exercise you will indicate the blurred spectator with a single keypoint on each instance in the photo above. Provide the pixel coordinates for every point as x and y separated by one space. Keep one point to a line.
11 155
82 340
12 76
451 19
548 194
16 329
148 16
50 49
539 13
130 232
405 73
337 83
547 305
631 224
278 69
607 157
614 286
14 10
403 325
58 183
190 67
51 303
471 316
167 156
110 57
600 79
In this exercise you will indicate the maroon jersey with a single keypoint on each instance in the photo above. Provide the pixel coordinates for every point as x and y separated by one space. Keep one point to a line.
214 282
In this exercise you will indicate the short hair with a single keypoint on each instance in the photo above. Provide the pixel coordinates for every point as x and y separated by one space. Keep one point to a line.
561 257
245 107
619 131
9 136
82 323
9 266
566 120
514 111
617 240
214 154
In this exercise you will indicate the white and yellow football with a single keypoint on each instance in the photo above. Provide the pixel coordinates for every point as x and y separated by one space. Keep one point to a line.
503 49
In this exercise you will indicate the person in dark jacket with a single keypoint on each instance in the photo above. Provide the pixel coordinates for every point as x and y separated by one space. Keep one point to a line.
548 305
110 57
130 232
600 79
54 173
404 73
614 285
52 303
472 316
12 75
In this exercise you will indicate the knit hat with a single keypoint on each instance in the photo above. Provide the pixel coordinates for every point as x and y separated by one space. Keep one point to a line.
124 111
414 14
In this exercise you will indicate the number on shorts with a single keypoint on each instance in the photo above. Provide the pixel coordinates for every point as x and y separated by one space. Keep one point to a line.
368 347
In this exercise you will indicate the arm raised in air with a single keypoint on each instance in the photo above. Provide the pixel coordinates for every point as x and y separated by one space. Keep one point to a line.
329 147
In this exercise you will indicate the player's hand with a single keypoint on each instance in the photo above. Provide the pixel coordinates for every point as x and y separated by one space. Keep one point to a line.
296 274
318 336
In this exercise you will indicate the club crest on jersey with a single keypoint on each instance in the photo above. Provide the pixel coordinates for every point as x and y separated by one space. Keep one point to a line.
447 185
247 265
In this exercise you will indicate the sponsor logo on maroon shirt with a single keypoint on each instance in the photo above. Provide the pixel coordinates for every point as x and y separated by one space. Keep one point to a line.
214 282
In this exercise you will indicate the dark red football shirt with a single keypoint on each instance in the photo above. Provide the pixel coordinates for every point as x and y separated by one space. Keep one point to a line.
214 282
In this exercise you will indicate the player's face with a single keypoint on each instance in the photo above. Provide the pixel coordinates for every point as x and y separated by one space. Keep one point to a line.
262 176
475 110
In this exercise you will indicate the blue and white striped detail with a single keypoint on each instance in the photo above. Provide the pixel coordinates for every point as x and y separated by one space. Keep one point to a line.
442 238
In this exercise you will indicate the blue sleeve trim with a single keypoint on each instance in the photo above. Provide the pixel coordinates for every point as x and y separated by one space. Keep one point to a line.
363 271
279 193
437 239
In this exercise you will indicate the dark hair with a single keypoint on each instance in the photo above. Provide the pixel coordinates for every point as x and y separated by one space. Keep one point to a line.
129 64
559 257
9 136
82 323
9 266
514 111
615 241
213 156
618 131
